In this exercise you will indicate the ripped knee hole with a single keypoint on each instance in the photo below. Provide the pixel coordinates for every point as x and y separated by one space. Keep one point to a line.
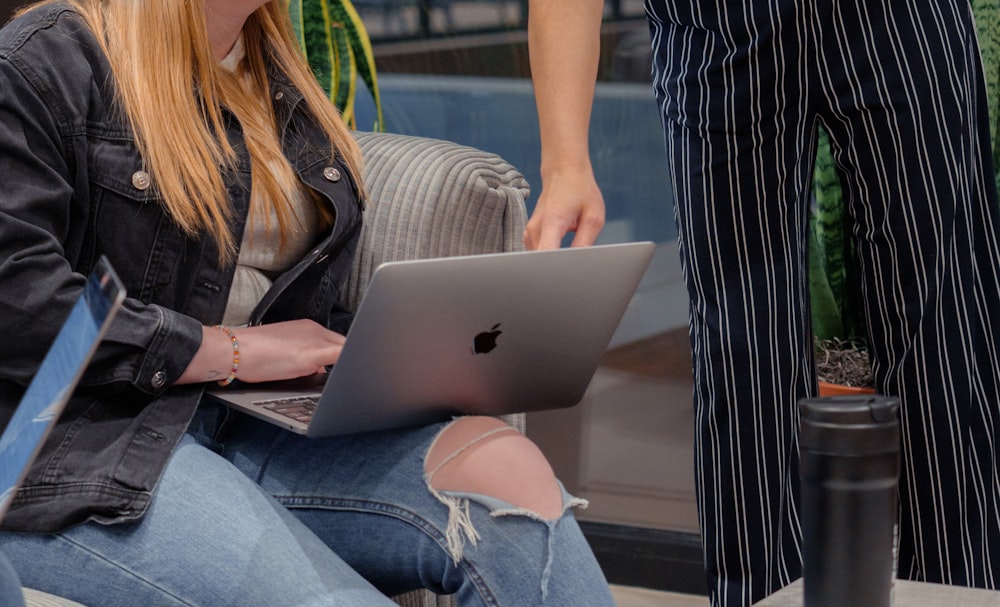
483 455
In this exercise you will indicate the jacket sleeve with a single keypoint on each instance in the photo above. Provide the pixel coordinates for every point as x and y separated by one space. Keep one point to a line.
46 101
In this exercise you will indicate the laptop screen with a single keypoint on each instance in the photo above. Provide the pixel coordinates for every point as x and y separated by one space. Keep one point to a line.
57 376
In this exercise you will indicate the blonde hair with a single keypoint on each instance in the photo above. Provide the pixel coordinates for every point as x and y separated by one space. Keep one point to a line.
173 92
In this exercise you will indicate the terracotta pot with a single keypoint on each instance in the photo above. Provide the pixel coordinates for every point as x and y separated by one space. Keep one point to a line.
828 389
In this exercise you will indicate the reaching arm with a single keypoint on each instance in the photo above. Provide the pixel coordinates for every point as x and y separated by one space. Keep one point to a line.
564 47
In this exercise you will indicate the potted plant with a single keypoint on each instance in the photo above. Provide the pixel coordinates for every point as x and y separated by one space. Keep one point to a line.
842 362
337 47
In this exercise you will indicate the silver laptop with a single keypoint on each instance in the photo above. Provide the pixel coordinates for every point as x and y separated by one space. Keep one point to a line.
483 334
60 371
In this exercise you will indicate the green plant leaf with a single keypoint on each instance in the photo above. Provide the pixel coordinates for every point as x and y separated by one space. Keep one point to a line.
343 12
320 48
337 47
826 320
346 75
834 274
987 15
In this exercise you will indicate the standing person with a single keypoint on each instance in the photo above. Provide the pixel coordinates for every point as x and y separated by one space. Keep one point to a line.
741 87
189 144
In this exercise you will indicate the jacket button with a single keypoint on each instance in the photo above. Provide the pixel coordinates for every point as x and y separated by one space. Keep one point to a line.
141 180
278 96
159 380
331 174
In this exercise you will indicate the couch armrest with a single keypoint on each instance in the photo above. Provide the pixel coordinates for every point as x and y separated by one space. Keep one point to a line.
433 198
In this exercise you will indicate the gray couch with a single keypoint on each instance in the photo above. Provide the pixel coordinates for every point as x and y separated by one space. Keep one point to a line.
426 198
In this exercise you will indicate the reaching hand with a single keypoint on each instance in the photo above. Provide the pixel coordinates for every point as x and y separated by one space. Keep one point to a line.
564 51
570 202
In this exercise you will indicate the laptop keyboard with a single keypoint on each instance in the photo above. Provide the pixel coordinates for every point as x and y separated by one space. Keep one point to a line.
299 408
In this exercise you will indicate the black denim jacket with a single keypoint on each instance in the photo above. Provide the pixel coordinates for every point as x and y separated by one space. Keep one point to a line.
72 188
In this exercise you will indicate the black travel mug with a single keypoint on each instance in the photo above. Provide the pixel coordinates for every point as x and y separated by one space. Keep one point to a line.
849 448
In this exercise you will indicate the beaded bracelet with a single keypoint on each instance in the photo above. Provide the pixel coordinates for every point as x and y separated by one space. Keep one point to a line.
236 355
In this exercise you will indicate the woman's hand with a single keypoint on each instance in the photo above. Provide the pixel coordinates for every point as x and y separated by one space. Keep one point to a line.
283 350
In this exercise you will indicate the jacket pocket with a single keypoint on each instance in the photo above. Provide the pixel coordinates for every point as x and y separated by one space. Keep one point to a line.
129 223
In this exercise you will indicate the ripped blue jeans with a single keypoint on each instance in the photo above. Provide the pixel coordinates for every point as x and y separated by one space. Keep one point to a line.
260 517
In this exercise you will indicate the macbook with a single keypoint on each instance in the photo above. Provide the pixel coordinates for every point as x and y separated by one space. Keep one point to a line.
472 335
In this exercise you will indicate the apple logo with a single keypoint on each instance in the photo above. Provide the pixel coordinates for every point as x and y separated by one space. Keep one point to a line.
484 342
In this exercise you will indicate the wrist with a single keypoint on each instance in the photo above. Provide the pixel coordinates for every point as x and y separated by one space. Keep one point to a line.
235 344
569 168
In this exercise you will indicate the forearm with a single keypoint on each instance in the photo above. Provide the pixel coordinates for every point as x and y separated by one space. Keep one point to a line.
213 360
564 48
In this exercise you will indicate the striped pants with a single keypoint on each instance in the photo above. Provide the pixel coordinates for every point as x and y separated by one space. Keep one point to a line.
898 84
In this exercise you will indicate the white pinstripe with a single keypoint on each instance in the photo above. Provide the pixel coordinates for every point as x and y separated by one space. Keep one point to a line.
742 85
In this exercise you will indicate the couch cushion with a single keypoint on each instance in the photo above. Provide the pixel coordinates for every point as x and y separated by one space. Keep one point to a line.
34 598
433 198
